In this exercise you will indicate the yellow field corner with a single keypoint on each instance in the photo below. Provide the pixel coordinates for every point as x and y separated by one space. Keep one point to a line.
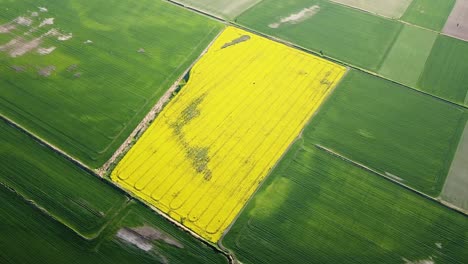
246 101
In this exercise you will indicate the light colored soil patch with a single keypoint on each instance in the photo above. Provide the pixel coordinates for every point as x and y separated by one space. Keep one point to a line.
6 28
387 8
152 234
133 238
46 71
456 186
406 60
45 51
47 21
23 21
18 46
457 23
298 17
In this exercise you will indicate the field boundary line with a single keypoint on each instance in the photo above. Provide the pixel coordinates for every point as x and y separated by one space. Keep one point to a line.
234 23
46 143
298 138
150 117
373 171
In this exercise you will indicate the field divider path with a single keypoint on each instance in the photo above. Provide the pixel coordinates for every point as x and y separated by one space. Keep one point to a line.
42 141
364 167
149 118
293 45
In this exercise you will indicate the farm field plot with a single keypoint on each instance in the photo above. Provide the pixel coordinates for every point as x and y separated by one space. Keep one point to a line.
457 23
393 9
445 74
82 75
29 236
456 184
318 208
222 8
246 101
406 135
431 14
346 34
74 196
406 60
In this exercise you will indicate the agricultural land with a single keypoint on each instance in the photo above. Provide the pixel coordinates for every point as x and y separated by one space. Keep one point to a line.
254 96
63 80
235 132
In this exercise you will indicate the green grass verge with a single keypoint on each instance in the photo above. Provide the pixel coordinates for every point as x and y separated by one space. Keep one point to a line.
431 14
318 208
353 36
392 129
446 70
99 91
29 236
39 174
406 60
227 9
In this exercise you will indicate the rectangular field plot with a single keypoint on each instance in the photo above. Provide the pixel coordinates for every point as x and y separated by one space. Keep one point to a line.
456 185
392 9
406 60
318 208
223 8
246 100
431 14
82 75
343 33
445 74
399 132
457 23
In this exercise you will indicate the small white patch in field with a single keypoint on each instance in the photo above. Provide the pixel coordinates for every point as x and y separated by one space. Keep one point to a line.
439 245
297 17
422 261
45 51
43 9
34 14
23 21
88 42
64 37
394 176
47 21
134 239
52 32
6 28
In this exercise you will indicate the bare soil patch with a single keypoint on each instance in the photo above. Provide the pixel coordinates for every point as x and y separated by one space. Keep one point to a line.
298 17
457 23
7 28
46 71
45 51
236 41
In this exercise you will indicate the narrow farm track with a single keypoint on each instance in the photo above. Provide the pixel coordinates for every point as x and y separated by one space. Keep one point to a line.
362 166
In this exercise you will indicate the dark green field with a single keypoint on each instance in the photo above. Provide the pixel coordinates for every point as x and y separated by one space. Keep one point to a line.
93 208
29 236
352 36
446 70
107 76
431 14
399 132
77 198
318 208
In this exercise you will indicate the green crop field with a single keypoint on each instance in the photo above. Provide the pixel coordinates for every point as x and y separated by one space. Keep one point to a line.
406 60
29 236
446 70
318 208
83 73
431 14
39 174
353 36
222 8
397 131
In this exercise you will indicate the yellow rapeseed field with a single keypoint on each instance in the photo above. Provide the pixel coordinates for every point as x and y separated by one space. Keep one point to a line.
246 101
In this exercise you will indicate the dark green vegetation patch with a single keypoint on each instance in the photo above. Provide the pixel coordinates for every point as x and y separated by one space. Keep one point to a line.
83 73
446 72
431 14
318 208
32 177
347 34
397 131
